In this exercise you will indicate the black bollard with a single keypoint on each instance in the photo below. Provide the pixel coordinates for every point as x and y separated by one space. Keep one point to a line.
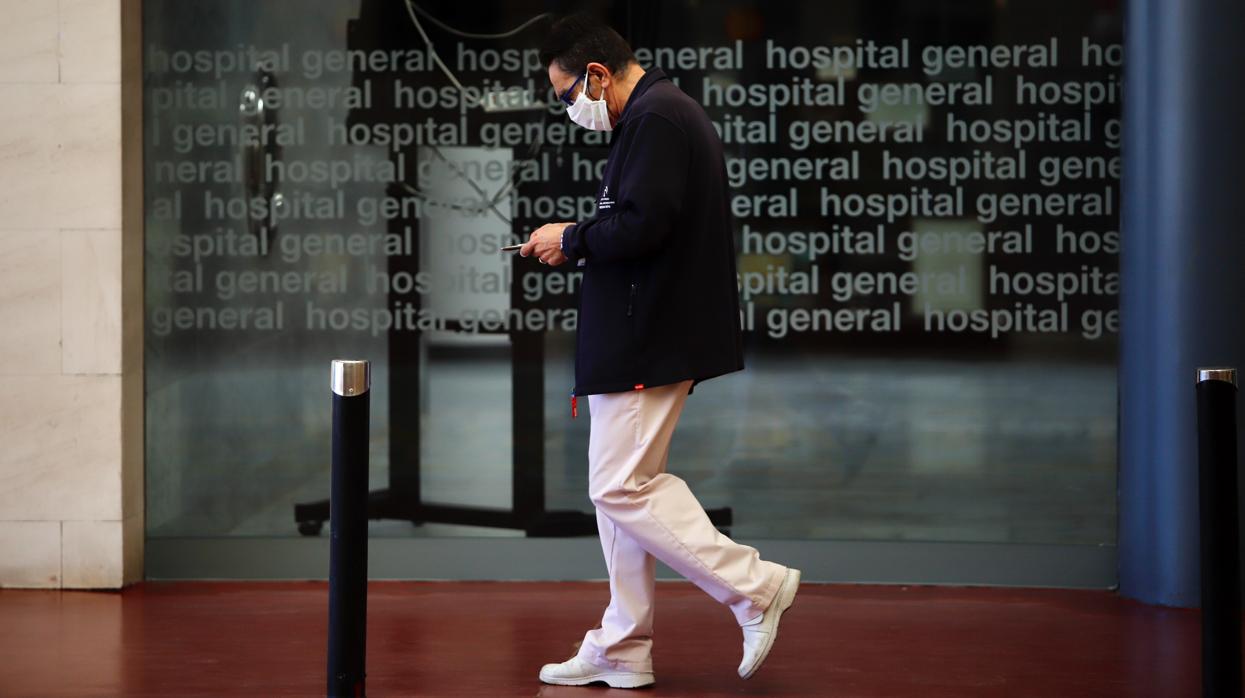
351 383
1221 564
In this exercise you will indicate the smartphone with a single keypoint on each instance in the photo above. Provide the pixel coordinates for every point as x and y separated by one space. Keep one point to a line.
512 248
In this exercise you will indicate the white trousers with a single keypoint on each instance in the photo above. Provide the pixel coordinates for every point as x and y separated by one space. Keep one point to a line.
645 513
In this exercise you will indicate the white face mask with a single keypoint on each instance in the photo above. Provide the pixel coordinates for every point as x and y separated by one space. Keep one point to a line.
592 114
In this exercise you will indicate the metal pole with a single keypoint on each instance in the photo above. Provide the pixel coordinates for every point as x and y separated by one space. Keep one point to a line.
1221 564
351 383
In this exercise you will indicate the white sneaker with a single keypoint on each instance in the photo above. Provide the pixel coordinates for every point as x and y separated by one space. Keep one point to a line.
760 633
577 672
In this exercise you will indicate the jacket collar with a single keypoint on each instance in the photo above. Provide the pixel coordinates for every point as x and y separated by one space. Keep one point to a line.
650 77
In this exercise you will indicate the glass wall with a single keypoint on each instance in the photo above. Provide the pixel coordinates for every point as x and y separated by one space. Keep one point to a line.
926 213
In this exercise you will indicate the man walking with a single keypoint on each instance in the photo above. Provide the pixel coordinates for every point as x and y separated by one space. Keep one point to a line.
659 312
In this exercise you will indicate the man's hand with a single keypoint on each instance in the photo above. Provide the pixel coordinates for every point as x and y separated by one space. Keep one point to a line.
546 243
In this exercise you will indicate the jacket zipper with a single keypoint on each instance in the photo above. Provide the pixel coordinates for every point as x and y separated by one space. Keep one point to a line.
631 299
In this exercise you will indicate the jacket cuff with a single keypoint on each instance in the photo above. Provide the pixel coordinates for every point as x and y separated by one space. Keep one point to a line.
571 243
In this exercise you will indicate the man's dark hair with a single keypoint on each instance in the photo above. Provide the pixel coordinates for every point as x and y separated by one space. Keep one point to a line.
576 40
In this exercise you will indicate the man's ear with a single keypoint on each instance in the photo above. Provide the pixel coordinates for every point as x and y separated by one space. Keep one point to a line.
602 72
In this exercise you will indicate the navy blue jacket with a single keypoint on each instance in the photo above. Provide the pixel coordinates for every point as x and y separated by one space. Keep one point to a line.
659 302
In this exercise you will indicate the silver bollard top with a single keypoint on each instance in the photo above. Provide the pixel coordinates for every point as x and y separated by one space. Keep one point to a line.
1227 375
351 377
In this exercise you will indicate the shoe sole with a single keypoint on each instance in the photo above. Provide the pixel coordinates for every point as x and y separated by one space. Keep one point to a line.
610 679
786 597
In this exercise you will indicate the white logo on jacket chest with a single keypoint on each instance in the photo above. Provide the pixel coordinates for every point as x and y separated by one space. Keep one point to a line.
605 201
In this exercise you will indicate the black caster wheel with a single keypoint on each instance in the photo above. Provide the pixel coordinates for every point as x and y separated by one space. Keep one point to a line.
310 528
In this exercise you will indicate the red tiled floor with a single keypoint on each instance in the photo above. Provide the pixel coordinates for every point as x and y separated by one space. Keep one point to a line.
488 640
